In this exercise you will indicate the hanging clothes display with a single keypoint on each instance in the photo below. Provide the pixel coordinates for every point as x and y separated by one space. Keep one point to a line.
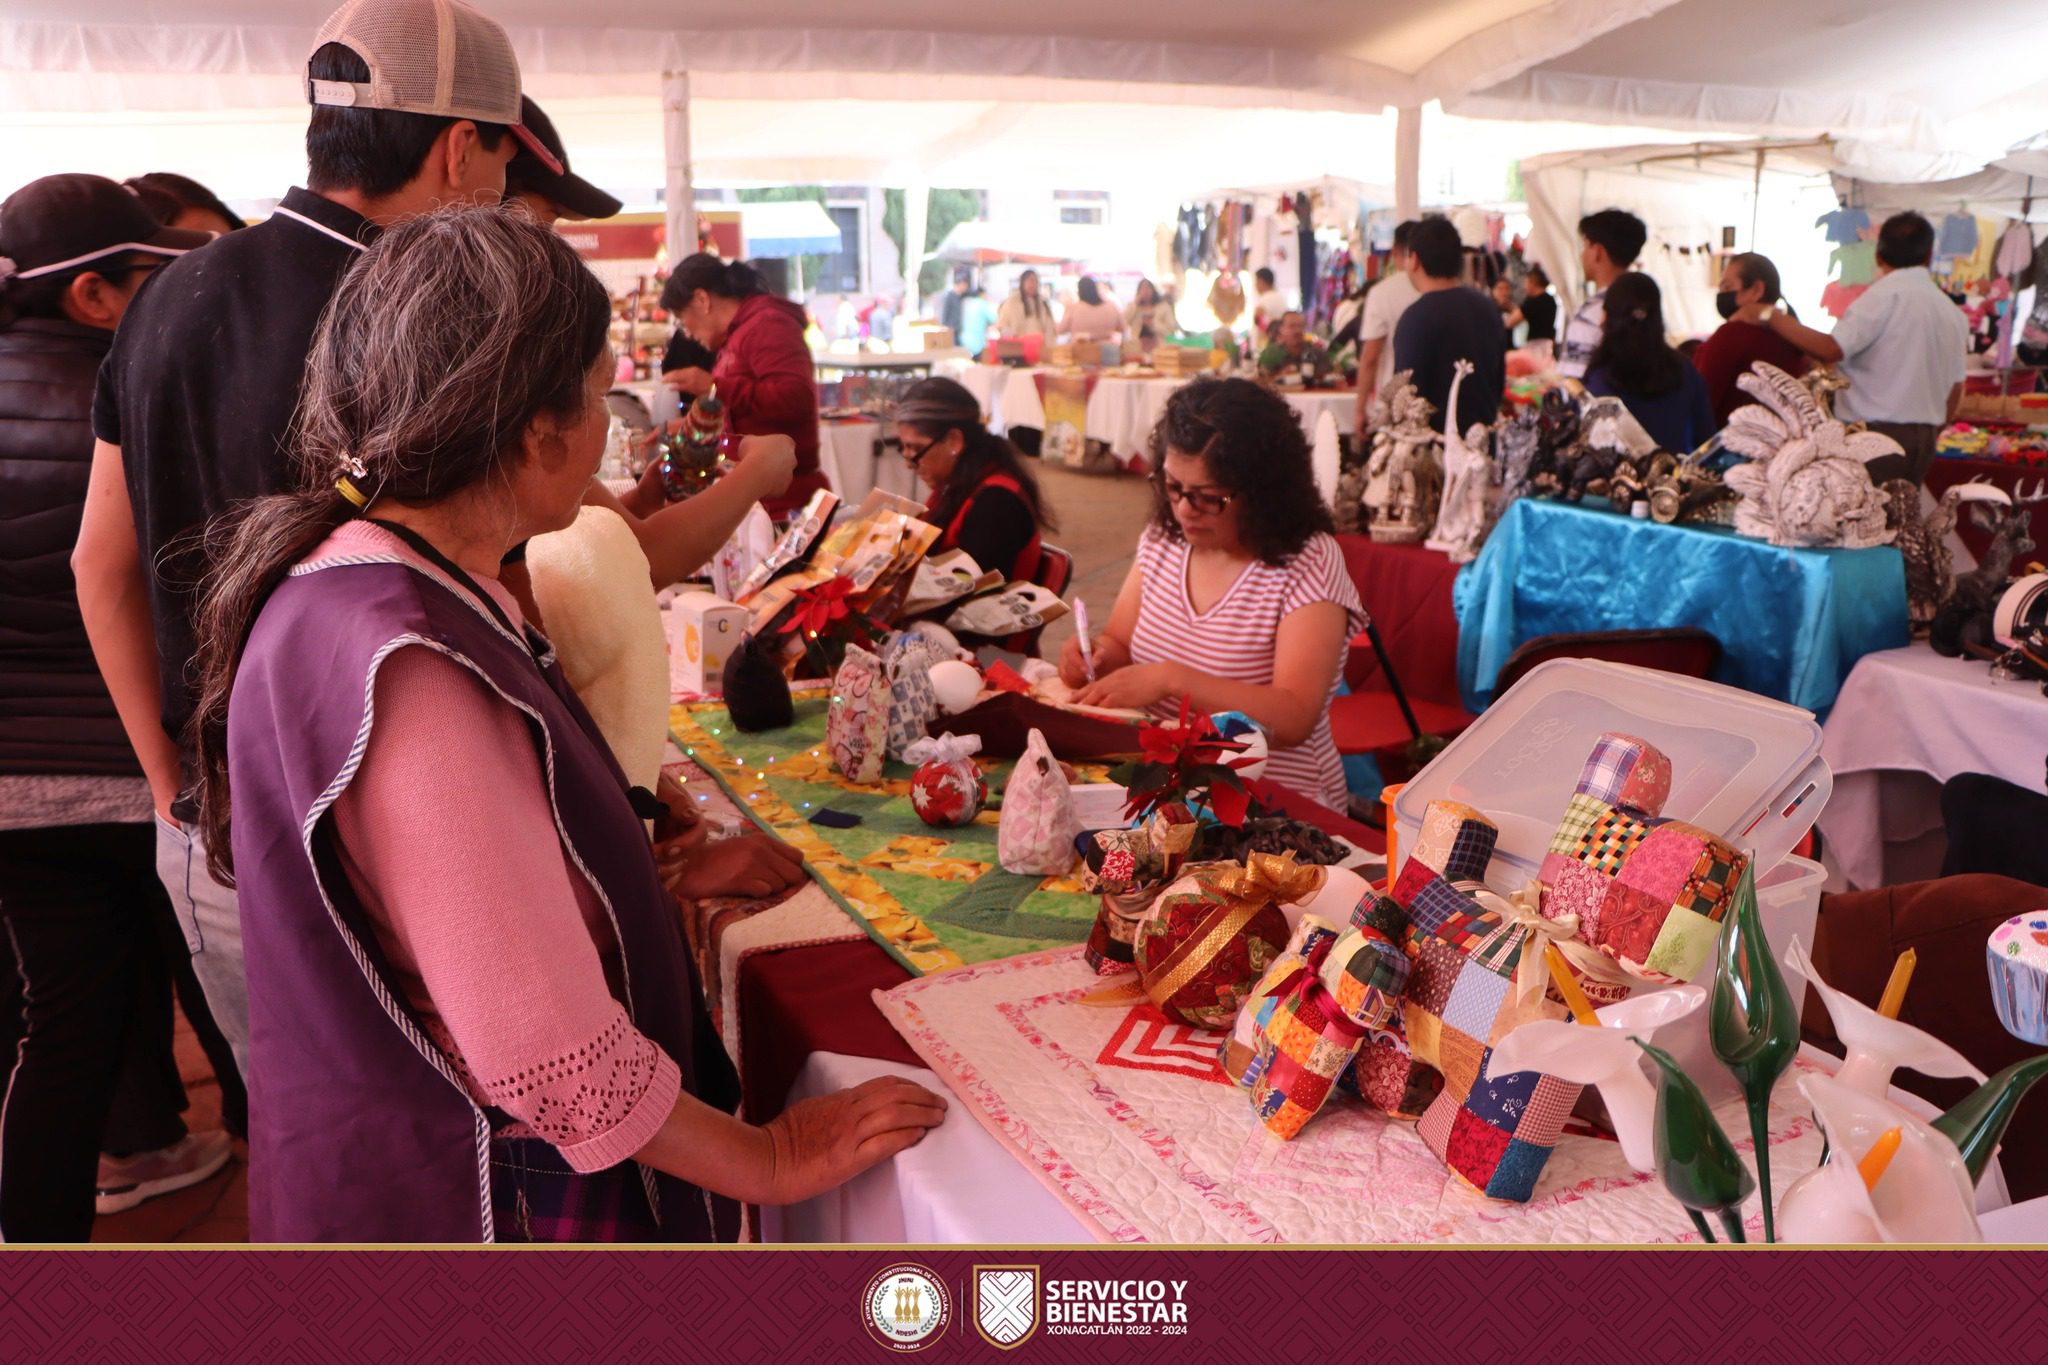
1958 235
1305 243
1844 224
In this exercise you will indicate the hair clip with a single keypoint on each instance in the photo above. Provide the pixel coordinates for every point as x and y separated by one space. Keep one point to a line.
351 492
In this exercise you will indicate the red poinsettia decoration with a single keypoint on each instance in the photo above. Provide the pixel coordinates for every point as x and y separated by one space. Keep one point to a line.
813 610
1187 758
824 618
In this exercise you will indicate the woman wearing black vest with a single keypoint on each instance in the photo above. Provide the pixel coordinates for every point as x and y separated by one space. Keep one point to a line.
85 981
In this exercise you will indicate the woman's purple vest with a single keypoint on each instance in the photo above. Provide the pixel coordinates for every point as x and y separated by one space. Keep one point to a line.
359 1131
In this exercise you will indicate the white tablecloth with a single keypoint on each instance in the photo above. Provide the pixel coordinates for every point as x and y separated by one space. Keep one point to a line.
991 386
1906 721
961 1186
1341 404
956 1186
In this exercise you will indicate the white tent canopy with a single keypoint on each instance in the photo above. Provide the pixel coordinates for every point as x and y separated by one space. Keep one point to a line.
1958 76
1362 55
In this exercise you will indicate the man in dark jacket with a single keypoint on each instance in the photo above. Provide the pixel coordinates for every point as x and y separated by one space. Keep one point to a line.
85 981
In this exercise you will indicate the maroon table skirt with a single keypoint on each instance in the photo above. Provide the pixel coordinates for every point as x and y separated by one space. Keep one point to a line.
1407 589
807 1000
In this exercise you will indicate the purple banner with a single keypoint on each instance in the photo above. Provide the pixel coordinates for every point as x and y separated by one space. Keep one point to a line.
1122 1304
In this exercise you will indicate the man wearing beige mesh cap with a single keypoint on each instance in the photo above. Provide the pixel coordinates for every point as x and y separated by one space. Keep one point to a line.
415 105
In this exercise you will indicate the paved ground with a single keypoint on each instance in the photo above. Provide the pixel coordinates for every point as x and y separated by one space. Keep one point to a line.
1099 518
1099 521
216 1210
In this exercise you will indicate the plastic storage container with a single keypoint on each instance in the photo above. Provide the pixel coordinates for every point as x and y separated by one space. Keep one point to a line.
1743 766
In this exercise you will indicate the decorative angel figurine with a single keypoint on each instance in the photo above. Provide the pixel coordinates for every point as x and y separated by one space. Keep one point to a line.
1806 483
1404 474
1466 514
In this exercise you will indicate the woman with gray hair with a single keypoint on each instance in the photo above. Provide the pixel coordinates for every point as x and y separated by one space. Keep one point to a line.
1749 280
472 1013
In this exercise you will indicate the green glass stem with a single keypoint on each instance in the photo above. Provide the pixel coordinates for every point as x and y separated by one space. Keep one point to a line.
1731 1222
1752 1023
1977 1124
1694 1157
1699 1220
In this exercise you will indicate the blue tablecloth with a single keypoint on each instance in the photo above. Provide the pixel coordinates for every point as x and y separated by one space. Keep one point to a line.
1792 623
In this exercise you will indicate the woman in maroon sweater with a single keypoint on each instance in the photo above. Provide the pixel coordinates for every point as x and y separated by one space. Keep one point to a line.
764 373
1727 355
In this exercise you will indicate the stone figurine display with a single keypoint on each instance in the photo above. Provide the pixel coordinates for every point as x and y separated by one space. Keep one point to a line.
1404 473
1806 483
1467 508
1923 542
1963 621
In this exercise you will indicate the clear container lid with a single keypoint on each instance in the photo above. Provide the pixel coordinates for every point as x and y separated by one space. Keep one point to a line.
1742 766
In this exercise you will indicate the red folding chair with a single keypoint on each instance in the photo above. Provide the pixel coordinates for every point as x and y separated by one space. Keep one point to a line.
1055 572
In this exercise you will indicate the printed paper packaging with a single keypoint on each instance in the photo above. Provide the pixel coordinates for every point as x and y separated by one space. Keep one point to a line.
857 723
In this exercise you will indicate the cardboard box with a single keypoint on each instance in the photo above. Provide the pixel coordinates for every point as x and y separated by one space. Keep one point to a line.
709 630
938 338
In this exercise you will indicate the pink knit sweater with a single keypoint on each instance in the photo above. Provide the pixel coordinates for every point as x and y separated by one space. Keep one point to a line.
449 838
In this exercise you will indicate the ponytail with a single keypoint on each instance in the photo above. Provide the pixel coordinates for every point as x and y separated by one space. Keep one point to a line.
249 551
726 279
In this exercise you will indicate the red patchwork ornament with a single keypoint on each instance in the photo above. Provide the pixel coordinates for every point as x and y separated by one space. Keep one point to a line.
948 793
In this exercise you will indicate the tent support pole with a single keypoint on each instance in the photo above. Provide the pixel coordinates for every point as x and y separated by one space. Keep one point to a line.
680 193
917 205
1407 163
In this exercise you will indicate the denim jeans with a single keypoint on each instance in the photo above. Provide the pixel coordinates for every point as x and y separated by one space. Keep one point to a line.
212 922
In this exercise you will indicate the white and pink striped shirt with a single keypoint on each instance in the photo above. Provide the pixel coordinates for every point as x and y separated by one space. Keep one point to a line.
1234 638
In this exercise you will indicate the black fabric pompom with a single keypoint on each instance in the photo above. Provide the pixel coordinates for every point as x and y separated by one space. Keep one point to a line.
756 693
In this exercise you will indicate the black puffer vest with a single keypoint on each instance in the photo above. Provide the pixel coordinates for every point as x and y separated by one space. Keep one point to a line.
55 714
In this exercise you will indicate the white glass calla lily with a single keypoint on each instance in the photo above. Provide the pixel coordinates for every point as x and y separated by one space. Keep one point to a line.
1877 1046
1924 1195
1605 1057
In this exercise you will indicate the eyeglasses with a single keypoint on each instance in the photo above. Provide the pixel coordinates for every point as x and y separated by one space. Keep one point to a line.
922 451
1200 499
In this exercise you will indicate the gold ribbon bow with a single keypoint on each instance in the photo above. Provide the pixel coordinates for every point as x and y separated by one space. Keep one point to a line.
1522 909
1269 877
1265 878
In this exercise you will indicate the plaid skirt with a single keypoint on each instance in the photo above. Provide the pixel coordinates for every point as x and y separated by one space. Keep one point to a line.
536 1197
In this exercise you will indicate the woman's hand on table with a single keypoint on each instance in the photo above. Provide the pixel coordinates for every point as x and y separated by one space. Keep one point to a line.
820 1144
1110 656
1134 687
691 379
751 865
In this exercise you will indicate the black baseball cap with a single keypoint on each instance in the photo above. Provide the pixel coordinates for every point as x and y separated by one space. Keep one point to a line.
573 193
69 222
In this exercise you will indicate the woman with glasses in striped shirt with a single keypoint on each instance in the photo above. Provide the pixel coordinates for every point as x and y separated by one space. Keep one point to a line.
1238 597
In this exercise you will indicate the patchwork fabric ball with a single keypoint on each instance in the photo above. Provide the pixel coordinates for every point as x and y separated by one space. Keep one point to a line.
1648 892
948 794
1112 941
1202 952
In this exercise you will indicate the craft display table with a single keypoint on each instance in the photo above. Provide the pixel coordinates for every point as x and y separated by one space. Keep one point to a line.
1907 720
1791 623
1049 1142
